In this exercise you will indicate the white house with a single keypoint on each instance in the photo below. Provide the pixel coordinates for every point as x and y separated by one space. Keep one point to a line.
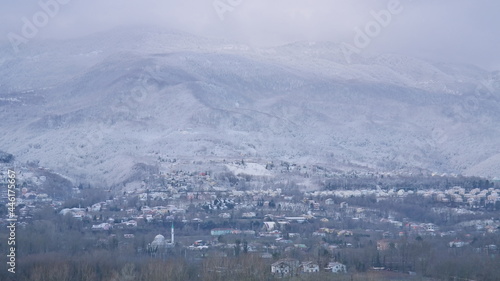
249 215
329 201
102 226
285 268
457 243
132 223
336 267
96 207
269 225
430 227
309 267
225 215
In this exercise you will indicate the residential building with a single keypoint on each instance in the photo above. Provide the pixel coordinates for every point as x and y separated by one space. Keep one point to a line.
309 267
285 268
336 267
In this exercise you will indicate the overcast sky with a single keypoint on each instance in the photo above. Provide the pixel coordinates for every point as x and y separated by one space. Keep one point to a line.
464 31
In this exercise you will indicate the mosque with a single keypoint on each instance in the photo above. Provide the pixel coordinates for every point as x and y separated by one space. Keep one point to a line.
160 244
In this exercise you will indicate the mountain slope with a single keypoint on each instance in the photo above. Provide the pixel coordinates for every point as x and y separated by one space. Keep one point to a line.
94 108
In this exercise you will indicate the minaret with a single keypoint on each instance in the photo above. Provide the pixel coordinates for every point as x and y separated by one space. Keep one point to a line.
172 234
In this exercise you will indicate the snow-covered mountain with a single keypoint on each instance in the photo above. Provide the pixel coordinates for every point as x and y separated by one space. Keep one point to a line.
94 108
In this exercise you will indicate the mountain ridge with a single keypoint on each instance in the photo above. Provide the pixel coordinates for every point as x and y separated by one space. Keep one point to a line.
204 98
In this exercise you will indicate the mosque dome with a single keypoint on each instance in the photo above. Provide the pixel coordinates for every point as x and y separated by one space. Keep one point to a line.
158 241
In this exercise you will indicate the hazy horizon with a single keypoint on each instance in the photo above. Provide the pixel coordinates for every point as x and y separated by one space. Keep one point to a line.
456 32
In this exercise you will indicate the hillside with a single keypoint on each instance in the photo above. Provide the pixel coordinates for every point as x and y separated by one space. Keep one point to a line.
96 107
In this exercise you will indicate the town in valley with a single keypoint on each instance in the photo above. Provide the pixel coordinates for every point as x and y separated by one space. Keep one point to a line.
270 220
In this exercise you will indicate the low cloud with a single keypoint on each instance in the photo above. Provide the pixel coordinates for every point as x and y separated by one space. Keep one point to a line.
459 31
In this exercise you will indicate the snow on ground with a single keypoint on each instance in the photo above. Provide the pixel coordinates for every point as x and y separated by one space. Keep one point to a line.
146 94
253 169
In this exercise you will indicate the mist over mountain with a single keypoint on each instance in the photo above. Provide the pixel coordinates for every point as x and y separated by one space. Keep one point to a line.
99 107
